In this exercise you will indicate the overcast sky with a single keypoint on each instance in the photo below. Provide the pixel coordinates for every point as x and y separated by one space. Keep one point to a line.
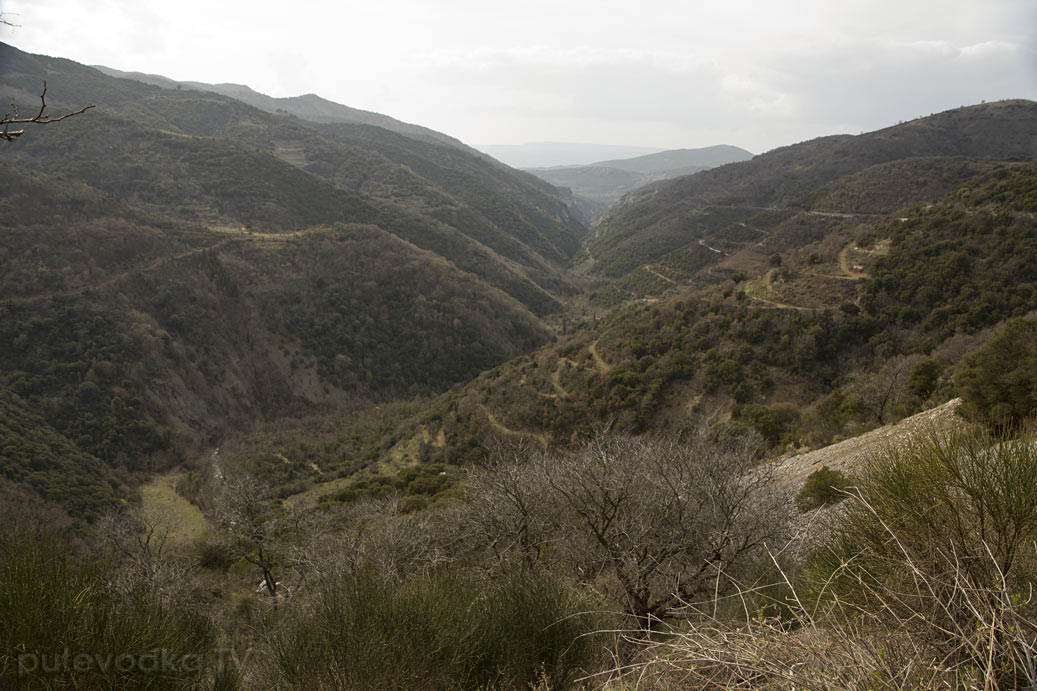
663 73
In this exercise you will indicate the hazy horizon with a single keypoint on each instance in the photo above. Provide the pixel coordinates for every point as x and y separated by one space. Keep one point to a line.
671 75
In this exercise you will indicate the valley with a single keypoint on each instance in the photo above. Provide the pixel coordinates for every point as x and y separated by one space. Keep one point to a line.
517 421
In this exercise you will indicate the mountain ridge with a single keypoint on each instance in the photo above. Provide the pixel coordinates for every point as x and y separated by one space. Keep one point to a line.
545 154
163 145
179 265
676 159
598 186
306 106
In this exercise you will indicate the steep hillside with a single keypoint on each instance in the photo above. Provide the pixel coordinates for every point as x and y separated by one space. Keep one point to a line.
210 159
135 337
676 215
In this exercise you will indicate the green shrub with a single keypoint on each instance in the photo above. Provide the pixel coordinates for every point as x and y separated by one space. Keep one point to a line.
443 630
924 378
60 627
939 547
824 486
774 422
215 555
998 383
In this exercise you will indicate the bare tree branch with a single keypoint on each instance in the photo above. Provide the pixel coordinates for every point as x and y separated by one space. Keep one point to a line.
41 118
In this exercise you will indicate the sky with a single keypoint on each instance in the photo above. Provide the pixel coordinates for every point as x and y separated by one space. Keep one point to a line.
654 73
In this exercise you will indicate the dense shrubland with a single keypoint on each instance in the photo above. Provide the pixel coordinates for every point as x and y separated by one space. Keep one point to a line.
937 283
664 560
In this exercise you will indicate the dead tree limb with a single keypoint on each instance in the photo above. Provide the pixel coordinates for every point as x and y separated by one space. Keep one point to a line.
41 118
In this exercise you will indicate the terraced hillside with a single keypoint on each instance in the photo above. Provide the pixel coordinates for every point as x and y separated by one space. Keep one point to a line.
798 194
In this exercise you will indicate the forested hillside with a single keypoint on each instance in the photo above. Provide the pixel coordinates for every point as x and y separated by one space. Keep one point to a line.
210 159
177 264
123 329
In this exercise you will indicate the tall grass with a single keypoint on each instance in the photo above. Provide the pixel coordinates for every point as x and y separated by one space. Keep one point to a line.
442 630
60 627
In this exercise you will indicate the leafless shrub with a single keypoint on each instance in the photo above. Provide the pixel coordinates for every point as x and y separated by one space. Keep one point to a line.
878 394
649 521
393 544
137 541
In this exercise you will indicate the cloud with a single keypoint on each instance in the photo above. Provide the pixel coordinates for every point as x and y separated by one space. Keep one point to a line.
661 72
794 88
873 82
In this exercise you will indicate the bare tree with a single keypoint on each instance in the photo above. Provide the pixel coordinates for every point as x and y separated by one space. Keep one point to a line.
248 517
395 544
661 521
880 392
290 545
508 504
138 539
40 118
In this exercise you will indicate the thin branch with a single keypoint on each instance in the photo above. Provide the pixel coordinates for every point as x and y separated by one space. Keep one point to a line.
41 118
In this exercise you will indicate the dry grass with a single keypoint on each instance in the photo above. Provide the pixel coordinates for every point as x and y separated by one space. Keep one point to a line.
941 597
898 645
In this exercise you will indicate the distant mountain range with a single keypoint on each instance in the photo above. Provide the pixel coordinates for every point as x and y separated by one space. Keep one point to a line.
599 185
594 190
550 154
